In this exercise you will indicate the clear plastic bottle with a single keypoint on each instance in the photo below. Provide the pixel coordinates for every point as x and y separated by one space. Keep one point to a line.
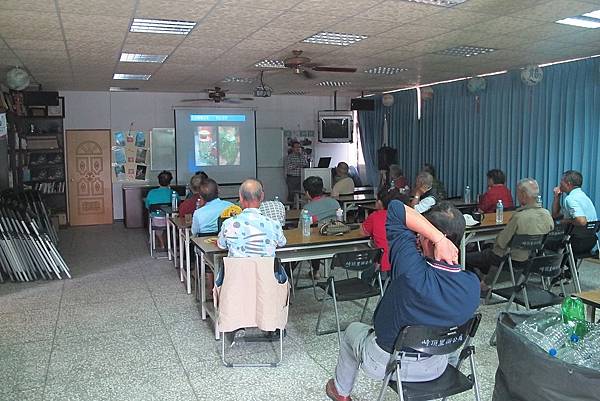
539 200
198 204
276 199
339 214
551 341
174 201
499 212
305 221
467 198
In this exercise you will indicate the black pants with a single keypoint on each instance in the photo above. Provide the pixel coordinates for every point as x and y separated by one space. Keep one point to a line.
293 185
483 260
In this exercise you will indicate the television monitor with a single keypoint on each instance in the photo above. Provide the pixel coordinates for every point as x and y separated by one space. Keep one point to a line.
335 126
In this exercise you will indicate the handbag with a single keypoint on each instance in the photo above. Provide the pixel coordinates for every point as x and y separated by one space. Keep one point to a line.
334 228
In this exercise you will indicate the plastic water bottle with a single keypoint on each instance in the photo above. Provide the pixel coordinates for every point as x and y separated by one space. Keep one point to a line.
198 204
174 201
573 314
539 200
276 199
305 221
339 214
551 341
467 194
499 212
187 192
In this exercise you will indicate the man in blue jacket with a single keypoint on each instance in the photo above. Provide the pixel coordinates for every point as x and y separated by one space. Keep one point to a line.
427 288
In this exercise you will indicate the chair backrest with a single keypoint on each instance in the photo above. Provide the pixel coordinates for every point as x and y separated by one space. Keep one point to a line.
356 260
591 228
156 207
437 340
555 239
528 242
251 296
545 266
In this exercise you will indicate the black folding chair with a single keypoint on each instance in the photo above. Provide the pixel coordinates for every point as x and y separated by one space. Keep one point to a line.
434 341
531 243
350 289
575 259
530 295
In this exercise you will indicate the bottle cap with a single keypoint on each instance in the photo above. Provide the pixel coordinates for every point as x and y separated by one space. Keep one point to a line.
552 352
574 338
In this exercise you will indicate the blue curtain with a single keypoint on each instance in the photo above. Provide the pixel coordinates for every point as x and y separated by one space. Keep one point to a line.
401 119
537 131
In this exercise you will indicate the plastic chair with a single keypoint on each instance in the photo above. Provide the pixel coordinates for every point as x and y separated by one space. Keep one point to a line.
350 289
529 295
157 221
251 296
435 341
531 243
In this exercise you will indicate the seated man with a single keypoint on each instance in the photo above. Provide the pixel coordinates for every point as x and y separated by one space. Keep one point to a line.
189 205
424 196
321 208
529 219
575 208
496 191
397 179
162 194
436 184
205 219
344 185
250 233
426 289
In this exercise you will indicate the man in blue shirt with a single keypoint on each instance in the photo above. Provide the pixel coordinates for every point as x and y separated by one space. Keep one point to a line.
427 288
575 207
205 219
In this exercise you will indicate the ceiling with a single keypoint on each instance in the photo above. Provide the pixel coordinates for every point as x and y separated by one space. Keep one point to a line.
76 44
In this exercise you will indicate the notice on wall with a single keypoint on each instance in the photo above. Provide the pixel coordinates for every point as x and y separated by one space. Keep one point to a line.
130 155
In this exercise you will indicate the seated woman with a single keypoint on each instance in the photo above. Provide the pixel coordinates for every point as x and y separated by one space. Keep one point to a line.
496 191
189 205
374 226
160 195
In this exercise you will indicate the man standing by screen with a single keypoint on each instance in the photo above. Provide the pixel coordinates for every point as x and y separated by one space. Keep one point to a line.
294 164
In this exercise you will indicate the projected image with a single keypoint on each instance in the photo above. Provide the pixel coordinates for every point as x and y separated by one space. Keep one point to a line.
205 145
229 146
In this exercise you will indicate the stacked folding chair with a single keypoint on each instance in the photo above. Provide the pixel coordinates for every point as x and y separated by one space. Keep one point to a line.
28 240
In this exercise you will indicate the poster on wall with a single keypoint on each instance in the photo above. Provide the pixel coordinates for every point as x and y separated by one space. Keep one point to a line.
305 137
130 155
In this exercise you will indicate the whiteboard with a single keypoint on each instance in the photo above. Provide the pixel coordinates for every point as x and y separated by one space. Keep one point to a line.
162 144
269 147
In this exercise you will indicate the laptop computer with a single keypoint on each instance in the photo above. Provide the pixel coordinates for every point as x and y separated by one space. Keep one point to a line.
324 162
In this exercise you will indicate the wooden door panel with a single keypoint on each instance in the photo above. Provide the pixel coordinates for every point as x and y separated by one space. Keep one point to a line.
89 177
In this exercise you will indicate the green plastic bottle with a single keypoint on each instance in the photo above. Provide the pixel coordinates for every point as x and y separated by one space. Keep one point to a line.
573 314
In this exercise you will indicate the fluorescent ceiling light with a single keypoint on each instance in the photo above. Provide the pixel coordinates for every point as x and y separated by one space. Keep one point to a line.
381 70
270 64
593 14
441 3
172 27
298 93
465 51
138 77
334 38
121 89
238 80
334 83
581 22
143 58
489 74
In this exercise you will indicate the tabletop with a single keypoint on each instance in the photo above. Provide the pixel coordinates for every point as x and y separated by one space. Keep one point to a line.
489 221
355 198
294 238
180 222
590 297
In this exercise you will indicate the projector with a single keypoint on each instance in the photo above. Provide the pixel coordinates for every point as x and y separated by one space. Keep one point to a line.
262 91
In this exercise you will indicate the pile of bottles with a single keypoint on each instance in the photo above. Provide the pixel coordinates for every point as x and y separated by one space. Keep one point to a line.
565 334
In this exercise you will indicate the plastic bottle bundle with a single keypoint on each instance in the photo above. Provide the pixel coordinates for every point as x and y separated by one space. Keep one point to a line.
584 351
540 321
546 331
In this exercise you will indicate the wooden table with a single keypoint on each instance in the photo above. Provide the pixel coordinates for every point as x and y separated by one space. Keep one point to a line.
464 207
347 201
488 229
292 215
184 231
297 248
592 300
171 234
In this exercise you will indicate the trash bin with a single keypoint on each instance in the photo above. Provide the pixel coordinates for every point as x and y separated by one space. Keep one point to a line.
527 373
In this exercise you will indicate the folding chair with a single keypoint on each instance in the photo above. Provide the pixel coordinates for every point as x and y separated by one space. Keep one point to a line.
251 296
575 259
435 341
531 243
157 221
530 295
350 289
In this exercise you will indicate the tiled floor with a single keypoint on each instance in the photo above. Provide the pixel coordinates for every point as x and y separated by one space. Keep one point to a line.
124 329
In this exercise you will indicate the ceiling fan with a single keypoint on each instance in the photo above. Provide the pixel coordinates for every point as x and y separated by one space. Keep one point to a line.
301 65
218 95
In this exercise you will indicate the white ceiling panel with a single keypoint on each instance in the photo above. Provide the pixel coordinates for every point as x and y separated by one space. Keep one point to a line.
121 8
306 21
93 23
32 44
28 5
399 11
18 24
503 7
556 9
267 4
184 10
338 8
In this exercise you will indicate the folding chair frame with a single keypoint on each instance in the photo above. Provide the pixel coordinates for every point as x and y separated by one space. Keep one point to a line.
257 364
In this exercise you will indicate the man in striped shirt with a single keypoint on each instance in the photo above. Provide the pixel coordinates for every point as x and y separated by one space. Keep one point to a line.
294 163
